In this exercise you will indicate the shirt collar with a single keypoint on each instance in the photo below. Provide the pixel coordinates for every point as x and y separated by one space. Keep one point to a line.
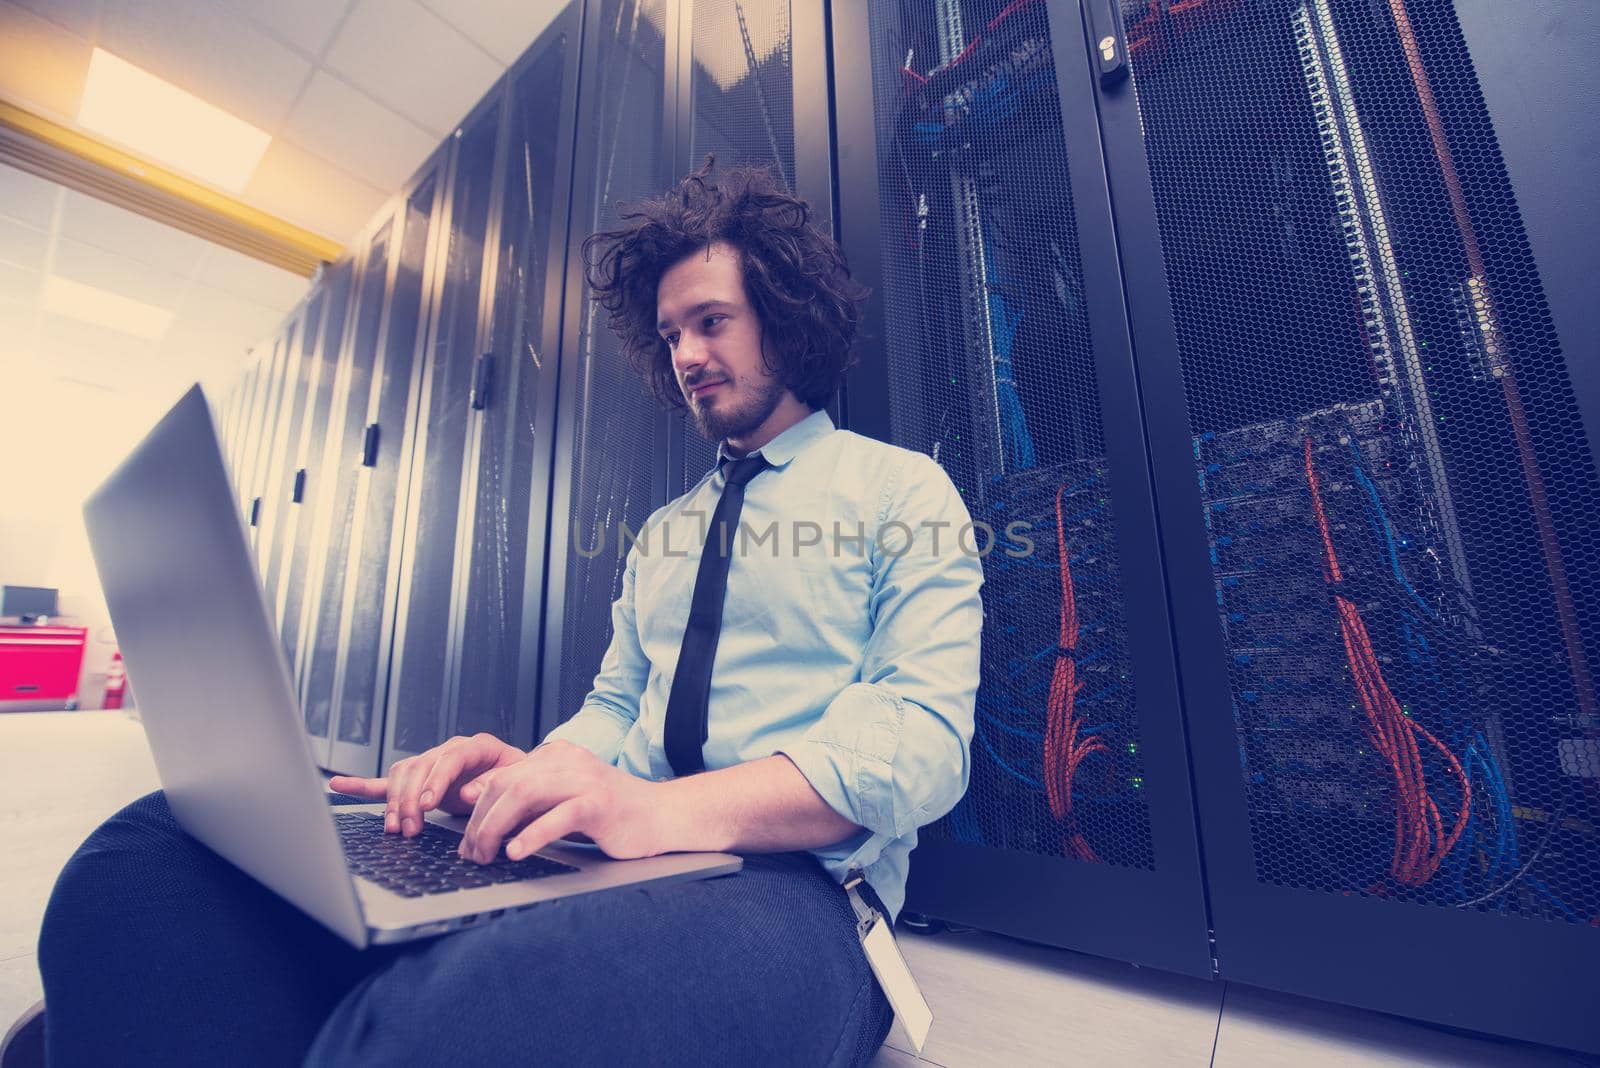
787 445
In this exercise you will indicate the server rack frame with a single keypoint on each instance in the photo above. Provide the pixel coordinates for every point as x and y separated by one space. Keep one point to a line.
392 217
503 95
312 456
1154 917
362 758
581 206
542 513
1525 978
429 336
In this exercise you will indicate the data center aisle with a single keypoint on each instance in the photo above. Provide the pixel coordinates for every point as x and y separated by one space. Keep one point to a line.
996 1000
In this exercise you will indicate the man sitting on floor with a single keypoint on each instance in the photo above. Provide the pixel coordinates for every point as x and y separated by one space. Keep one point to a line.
791 676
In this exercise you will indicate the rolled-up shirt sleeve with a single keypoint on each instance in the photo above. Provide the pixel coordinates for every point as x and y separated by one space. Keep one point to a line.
612 705
891 752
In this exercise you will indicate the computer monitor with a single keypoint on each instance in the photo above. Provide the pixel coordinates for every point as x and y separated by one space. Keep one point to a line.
27 601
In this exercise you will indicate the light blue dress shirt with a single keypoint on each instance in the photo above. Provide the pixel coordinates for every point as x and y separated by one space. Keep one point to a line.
849 640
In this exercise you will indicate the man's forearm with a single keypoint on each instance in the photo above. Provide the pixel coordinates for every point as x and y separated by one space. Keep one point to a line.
761 806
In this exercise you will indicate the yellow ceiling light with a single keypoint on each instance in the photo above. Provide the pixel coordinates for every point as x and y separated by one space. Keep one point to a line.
156 118
62 296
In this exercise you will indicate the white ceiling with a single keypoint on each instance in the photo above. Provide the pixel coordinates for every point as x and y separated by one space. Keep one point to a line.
355 93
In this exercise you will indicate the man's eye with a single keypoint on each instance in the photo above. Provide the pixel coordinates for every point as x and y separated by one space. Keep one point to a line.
713 320
671 340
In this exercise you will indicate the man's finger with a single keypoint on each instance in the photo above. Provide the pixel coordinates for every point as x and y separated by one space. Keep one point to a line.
445 771
504 812
566 818
377 789
404 790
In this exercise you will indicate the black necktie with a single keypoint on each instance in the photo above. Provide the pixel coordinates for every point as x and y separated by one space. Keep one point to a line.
686 728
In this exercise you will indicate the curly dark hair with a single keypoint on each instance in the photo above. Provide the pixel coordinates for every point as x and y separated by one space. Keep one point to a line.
794 277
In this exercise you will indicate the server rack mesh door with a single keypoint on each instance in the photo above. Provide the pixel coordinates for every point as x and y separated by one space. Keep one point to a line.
422 698
338 502
371 602
491 650
309 452
279 486
616 470
1390 454
253 472
992 373
742 94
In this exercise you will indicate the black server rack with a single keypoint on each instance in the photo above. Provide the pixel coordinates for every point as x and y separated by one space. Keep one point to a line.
973 202
505 518
278 495
608 471
276 368
309 461
754 76
466 651
343 451
1373 458
361 676
419 704
664 86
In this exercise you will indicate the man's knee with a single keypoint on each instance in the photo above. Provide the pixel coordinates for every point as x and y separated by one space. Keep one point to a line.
98 876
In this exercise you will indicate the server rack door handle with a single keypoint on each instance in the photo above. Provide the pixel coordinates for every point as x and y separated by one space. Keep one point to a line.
369 447
255 512
482 377
1110 47
299 487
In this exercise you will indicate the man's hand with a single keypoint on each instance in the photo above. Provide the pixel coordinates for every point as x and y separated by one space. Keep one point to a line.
431 780
561 789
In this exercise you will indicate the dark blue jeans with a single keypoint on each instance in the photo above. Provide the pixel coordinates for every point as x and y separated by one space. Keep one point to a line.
156 951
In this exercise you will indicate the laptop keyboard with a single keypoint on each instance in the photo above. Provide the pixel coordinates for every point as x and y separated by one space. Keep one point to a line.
428 863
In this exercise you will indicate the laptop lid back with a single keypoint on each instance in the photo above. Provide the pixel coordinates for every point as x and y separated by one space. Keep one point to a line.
202 649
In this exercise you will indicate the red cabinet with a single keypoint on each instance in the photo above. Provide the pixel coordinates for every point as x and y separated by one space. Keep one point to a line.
40 665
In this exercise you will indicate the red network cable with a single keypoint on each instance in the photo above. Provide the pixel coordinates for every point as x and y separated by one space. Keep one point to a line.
994 24
1420 842
1063 749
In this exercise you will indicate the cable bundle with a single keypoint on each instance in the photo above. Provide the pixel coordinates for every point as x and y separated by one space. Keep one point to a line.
1420 841
1063 749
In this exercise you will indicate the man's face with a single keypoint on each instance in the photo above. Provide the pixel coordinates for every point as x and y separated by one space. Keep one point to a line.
715 337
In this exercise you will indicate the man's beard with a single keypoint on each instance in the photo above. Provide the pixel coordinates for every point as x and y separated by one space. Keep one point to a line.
733 421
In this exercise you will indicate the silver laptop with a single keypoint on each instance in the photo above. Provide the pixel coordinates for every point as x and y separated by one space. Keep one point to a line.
225 728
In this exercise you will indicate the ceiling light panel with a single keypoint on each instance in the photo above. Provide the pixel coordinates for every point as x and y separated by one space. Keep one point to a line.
64 297
152 116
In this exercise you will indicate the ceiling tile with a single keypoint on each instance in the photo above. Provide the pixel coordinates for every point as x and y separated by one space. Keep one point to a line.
91 353
190 340
504 30
106 226
413 61
348 128
219 57
312 193
27 197
81 17
19 287
306 25
206 308
42 66
22 246
241 275
16 317
118 274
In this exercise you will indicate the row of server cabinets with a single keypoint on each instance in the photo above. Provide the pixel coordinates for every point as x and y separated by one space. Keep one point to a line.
1266 317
